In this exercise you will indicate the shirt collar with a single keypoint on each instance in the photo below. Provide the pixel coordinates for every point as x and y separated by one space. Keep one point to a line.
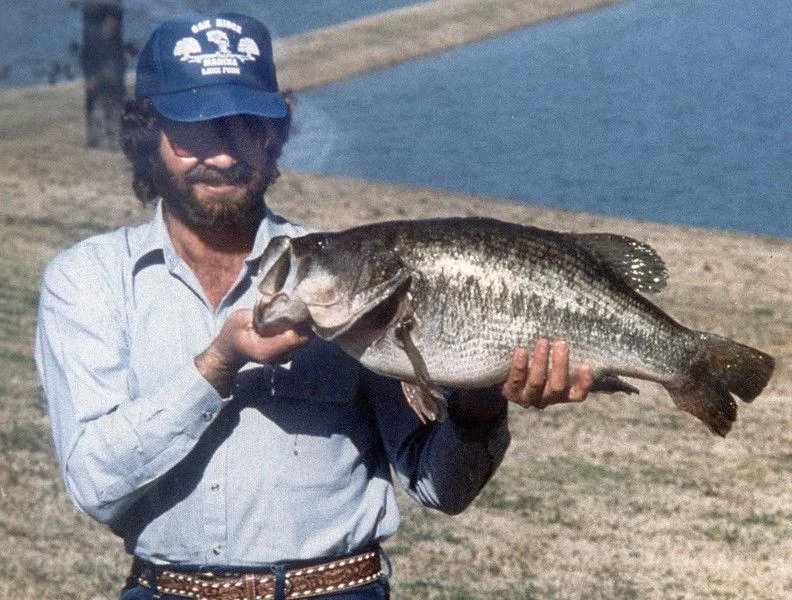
154 237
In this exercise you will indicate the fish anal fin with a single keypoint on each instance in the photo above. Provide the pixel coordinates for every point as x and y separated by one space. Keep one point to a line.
610 384
428 404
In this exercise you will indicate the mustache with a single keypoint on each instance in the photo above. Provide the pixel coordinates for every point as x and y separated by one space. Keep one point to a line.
237 174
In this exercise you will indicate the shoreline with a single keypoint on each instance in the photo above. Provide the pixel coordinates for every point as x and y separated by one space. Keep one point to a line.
337 52
379 41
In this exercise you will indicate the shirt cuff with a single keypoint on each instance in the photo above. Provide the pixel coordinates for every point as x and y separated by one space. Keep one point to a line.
198 401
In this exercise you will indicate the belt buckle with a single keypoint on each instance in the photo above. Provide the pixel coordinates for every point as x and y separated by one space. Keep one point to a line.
281 576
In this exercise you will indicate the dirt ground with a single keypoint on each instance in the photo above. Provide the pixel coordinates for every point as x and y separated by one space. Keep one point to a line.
616 498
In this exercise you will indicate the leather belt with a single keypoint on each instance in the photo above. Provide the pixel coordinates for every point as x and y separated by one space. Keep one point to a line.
303 582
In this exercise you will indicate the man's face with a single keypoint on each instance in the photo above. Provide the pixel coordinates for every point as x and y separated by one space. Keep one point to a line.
213 172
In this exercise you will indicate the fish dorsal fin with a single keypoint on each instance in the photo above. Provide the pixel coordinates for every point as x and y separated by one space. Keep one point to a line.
637 262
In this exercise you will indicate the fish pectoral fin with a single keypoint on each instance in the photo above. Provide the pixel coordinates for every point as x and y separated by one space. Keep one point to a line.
403 331
610 384
427 403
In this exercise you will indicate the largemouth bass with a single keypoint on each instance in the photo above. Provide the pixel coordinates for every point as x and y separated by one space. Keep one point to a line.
443 303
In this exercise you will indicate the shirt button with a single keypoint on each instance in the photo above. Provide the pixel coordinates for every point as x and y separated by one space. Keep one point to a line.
215 486
217 549
208 416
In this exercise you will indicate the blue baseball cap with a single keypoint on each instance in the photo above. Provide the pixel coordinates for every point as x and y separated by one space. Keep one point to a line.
197 67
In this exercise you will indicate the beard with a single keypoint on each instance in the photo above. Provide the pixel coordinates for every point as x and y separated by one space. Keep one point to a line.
243 207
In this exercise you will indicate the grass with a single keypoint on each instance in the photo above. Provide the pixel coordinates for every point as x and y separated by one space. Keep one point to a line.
616 498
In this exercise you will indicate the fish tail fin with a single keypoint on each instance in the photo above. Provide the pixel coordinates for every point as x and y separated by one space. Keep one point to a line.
722 369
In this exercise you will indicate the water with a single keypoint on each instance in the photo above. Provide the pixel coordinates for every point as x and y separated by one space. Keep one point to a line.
37 34
669 111
672 111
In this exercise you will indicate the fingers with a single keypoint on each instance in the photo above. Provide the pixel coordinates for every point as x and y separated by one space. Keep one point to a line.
558 374
279 348
518 375
291 346
537 372
240 339
527 378
550 366
585 379
238 343
543 378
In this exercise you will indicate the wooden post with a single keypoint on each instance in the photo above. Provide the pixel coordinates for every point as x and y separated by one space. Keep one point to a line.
104 64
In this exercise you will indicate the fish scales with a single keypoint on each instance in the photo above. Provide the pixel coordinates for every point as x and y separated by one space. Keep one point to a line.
531 278
444 303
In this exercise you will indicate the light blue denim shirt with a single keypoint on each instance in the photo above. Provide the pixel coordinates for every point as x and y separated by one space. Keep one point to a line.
295 464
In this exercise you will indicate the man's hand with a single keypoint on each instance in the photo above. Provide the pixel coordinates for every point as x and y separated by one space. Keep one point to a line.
238 343
534 381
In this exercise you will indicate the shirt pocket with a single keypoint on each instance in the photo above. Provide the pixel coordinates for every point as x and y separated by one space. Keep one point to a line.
329 427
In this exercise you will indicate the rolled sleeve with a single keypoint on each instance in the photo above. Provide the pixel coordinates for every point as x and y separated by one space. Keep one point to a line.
457 463
440 465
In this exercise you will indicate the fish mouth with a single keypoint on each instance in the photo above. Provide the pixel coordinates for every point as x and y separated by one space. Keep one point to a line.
276 310
277 313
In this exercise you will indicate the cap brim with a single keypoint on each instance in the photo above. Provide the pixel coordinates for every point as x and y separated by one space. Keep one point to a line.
225 100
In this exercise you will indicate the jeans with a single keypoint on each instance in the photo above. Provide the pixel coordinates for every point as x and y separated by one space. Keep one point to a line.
377 590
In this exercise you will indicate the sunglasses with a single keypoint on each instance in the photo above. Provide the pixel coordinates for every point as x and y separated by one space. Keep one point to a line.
203 139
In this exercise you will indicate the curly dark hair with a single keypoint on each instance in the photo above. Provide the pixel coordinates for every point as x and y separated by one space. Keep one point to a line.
141 125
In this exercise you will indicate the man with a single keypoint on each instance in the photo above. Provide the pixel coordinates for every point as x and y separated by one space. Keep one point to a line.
235 465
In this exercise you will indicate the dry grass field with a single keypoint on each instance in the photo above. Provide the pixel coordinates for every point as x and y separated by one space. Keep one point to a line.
618 498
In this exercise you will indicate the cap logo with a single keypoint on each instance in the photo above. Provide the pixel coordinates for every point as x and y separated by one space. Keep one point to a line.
221 59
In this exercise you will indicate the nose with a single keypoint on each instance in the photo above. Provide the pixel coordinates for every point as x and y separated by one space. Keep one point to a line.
221 159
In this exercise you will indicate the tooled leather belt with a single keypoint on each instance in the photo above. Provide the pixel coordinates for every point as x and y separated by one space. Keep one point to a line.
303 582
